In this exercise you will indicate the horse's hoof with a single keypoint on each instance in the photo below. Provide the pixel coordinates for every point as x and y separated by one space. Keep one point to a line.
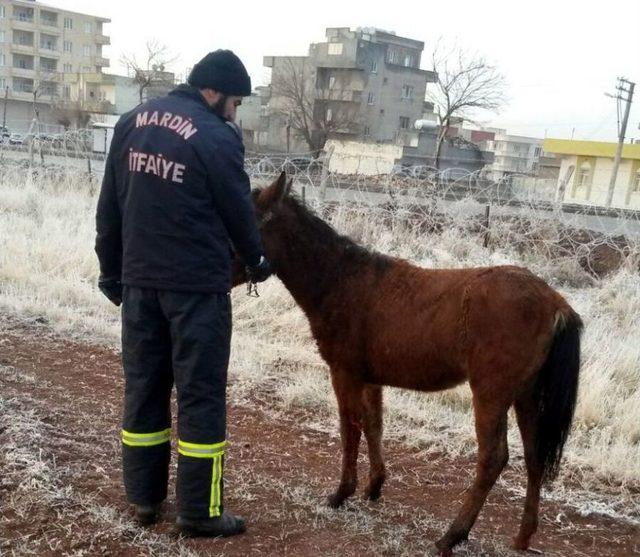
523 545
434 551
374 489
373 495
335 500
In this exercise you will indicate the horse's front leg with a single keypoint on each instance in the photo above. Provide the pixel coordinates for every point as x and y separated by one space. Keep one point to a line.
349 394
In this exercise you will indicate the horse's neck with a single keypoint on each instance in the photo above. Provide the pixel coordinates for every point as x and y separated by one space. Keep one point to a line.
310 267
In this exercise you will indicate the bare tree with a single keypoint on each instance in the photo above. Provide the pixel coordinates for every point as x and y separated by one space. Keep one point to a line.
310 104
151 71
466 83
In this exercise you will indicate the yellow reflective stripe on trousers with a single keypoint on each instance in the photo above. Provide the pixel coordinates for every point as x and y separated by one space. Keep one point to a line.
197 450
146 439
215 452
216 477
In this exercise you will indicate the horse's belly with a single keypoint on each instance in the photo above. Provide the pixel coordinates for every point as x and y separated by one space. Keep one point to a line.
435 377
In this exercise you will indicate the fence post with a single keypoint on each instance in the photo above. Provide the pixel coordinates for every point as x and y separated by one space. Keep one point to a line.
325 173
487 213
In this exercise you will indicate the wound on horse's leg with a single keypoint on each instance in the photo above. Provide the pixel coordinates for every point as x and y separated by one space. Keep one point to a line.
348 393
372 424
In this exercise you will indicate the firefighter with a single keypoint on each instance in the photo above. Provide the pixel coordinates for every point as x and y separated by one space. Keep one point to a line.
174 198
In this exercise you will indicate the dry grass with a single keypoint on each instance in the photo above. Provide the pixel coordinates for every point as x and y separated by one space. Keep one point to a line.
48 271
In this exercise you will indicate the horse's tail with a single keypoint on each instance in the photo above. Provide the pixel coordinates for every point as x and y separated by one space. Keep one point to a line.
556 393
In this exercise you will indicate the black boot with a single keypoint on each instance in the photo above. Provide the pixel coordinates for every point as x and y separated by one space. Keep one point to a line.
224 525
146 515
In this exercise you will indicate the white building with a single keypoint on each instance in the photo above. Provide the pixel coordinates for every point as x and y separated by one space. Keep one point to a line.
513 154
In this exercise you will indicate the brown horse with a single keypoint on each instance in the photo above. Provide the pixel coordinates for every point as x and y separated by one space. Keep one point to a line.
379 321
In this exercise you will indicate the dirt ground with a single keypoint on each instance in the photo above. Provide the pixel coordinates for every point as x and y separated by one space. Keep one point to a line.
61 493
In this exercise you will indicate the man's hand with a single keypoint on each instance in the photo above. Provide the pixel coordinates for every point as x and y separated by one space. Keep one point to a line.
260 272
112 289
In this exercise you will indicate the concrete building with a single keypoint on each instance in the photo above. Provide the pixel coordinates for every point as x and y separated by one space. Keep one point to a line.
51 60
253 117
458 155
513 154
586 168
357 85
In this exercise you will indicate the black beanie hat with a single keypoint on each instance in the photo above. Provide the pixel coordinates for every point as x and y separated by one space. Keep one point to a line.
223 71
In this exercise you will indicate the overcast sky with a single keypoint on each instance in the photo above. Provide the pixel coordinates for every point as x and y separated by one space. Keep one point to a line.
559 57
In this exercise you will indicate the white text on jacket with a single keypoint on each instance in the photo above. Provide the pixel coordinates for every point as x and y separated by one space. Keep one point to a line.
176 123
149 163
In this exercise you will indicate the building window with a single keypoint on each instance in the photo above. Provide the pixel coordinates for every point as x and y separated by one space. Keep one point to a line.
407 92
48 89
335 49
66 91
408 61
68 68
393 56
68 23
371 99
374 66
48 42
86 69
329 115
3 60
405 122
332 82
68 46
1 36
367 131
86 50
2 12
3 83
635 187
584 175
49 18
88 27
23 38
48 65
23 85
24 16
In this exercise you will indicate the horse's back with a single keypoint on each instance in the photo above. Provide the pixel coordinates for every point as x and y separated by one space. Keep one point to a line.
430 329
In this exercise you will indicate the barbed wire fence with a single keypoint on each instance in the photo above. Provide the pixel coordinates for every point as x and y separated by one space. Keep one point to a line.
517 212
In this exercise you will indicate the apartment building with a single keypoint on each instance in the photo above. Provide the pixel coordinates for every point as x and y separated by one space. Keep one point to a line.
51 61
363 84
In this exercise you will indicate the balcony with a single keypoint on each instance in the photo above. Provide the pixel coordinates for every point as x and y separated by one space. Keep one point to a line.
344 95
101 61
21 95
29 73
100 107
103 40
22 48
49 52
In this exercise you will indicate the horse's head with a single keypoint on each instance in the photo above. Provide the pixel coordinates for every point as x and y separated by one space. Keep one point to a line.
269 202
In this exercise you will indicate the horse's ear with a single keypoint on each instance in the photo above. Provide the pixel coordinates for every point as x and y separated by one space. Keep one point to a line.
276 192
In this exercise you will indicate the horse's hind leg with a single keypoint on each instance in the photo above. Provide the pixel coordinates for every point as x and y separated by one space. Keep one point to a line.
349 394
493 454
527 415
372 424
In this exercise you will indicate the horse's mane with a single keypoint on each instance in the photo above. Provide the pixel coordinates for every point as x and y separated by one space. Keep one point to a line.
322 236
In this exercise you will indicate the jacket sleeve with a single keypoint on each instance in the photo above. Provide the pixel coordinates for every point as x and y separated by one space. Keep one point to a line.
109 223
231 190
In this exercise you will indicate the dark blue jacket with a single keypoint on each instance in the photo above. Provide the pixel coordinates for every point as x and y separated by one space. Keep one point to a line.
174 195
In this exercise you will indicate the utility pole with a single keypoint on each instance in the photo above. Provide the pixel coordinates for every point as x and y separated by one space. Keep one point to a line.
4 110
624 93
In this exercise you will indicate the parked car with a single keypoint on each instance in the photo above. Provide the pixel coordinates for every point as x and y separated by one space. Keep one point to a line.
16 139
